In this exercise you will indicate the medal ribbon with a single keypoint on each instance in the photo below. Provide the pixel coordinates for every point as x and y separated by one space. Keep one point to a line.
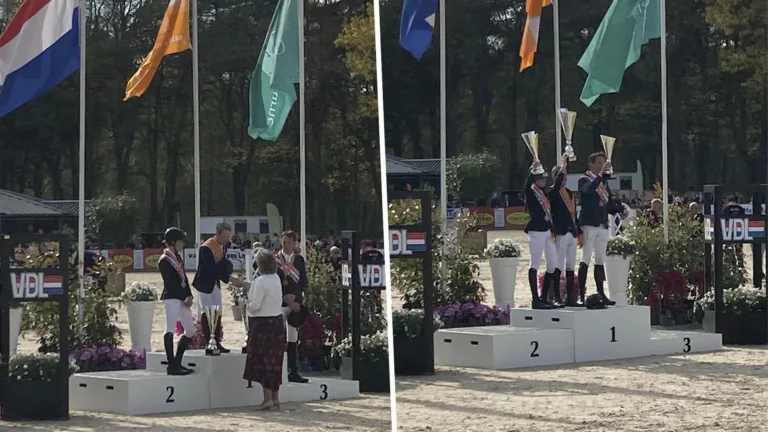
601 191
541 197
287 266
571 204
218 252
170 256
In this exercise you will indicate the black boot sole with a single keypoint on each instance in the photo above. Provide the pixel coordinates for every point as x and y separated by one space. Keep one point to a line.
177 371
297 379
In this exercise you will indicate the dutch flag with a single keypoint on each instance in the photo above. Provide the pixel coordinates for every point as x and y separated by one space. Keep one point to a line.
38 49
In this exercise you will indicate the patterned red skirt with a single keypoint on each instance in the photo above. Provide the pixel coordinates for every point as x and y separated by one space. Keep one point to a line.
266 347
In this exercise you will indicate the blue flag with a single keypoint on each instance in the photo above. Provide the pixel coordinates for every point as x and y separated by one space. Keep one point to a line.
417 26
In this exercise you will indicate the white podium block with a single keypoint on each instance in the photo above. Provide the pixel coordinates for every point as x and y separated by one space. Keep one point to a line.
603 334
137 392
503 347
222 367
236 393
671 342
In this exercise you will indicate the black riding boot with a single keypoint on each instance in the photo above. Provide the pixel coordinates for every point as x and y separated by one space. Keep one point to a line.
536 302
174 367
168 344
556 288
546 289
180 349
599 279
570 294
218 338
206 330
293 364
583 269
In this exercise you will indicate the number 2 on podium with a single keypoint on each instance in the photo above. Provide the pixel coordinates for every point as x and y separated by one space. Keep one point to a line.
613 334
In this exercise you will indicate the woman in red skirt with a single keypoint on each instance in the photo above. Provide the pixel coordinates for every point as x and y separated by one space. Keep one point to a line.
266 339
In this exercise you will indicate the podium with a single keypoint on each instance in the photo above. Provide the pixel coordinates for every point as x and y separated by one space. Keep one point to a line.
537 337
217 383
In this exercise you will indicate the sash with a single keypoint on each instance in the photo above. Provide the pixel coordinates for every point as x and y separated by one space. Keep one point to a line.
286 265
174 260
602 192
218 252
543 201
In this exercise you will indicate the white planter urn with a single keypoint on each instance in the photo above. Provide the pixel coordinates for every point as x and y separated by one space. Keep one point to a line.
15 328
617 274
503 275
140 317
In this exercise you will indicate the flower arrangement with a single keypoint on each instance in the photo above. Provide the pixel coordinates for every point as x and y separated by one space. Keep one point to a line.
312 338
621 245
563 285
737 301
471 314
409 323
36 367
669 292
238 294
198 340
502 248
373 348
139 292
106 358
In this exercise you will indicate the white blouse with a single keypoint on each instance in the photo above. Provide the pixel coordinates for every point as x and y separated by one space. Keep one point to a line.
265 297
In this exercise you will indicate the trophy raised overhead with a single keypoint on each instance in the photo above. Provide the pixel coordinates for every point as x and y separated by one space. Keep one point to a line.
213 313
568 123
608 144
531 139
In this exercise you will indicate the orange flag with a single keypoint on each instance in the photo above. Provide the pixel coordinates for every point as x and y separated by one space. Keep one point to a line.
172 38
531 33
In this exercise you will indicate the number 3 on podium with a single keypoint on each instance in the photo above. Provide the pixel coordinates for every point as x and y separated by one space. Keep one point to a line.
323 391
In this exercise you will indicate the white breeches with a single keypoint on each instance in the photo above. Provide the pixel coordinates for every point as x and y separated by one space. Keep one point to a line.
212 299
595 239
291 333
176 310
538 242
566 252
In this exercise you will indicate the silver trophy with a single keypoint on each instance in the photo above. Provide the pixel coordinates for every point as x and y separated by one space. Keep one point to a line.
242 302
568 122
608 144
213 313
531 139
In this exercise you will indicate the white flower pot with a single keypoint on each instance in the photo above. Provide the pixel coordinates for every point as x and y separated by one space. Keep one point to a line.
503 275
15 329
617 273
140 316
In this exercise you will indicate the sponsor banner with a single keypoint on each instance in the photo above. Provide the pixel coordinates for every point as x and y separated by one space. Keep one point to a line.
123 258
145 260
500 218
237 257
735 230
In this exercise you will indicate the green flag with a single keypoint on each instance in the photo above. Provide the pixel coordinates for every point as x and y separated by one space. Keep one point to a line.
626 27
272 91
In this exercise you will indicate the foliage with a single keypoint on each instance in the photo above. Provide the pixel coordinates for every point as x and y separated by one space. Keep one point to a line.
737 301
669 292
621 245
139 292
237 294
472 176
471 314
106 358
36 367
461 271
373 348
111 219
312 338
323 297
198 340
99 315
502 248
410 323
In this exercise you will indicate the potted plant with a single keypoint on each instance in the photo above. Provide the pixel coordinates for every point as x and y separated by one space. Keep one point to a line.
35 386
618 257
140 299
745 315
667 297
410 342
374 356
471 314
106 358
503 254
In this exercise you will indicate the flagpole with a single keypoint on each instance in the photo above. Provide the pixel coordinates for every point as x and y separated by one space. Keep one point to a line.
443 148
664 156
81 174
196 124
302 132
558 102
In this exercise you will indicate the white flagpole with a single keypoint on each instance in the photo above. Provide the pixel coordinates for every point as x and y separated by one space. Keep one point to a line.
81 173
558 103
664 158
302 132
196 125
443 150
